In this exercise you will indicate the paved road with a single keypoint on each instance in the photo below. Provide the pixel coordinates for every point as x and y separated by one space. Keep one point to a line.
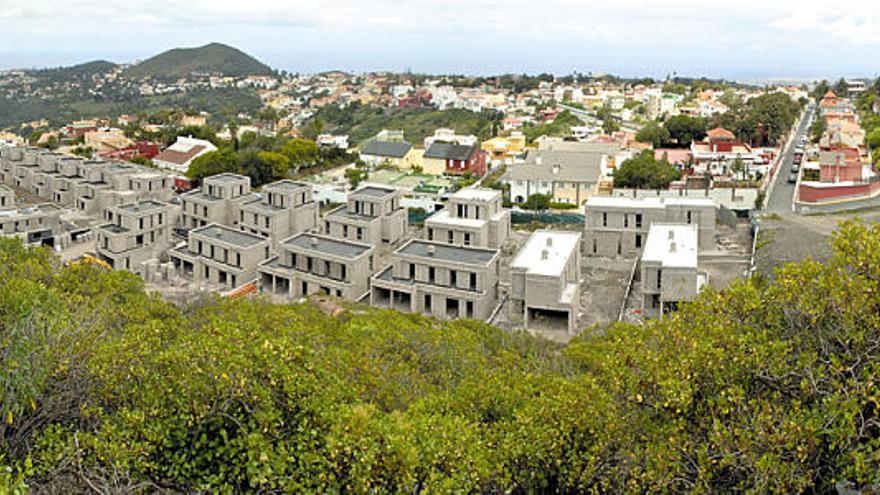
782 197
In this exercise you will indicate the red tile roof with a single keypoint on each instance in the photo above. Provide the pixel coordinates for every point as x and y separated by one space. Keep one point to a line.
179 157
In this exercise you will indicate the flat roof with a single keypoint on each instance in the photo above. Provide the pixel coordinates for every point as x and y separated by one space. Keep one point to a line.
374 191
477 193
143 206
648 202
443 217
547 252
44 208
232 236
199 194
226 177
672 245
448 252
329 245
286 186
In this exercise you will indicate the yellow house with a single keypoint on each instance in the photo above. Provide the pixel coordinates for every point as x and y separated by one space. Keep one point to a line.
500 148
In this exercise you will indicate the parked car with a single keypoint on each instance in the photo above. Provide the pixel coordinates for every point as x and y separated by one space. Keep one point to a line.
792 178
795 168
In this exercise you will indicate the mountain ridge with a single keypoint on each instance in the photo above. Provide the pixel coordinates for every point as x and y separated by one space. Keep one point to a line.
213 58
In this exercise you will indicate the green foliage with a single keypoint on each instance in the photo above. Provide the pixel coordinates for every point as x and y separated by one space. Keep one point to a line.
538 202
873 138
645 172
560 127
766 387
212 163
356 175
301 152
775 113
655 134
683 130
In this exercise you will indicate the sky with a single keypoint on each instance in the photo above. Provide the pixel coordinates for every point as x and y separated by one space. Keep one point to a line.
738 39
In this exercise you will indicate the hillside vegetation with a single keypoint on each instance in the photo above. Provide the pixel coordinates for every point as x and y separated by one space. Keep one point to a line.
363 122
765 387
214 58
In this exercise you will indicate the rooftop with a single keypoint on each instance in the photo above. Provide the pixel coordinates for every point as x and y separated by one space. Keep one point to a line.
443 217
389 149
477 193
447 252
374 191
645 203
547 252
672 245
285 186
143 206
449 151
329 245
227 178
229 235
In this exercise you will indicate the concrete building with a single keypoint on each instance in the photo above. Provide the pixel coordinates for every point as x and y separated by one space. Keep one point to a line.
373 215
7 197
472 217
285 208
669 268
135 233
617 226
439 280
221 257
217 201
309 263
39 224
545 281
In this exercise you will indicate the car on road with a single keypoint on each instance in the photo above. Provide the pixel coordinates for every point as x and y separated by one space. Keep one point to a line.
792 178
795 168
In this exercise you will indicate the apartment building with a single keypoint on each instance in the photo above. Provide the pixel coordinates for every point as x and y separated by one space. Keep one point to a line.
439 280
670 267
32 224
545 281
220 257
618 226
135 233
88 185
285 208
472 217
7 197
372 215
217 202
309 263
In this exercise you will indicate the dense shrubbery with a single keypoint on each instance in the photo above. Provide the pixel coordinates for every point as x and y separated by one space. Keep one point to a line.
769 387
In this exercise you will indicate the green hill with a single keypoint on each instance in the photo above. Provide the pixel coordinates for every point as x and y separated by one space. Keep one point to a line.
76 71
214 58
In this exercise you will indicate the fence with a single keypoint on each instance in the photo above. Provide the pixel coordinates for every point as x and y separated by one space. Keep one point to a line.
519 217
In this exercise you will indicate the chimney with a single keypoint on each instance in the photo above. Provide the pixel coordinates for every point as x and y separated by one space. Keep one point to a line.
431 250
549 242
544 255
671 235
314 241
538 160
671 247
555 169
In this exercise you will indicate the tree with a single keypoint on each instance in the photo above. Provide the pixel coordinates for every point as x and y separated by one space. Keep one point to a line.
279 162
212 163
683 129
538 202
873 138
312 129
645 172
821 89
738 167
841 88
356 175
654 134
302 153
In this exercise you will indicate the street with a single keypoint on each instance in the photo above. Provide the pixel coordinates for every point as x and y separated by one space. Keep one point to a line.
782 196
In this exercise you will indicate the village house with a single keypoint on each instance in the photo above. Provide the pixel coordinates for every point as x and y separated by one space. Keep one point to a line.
619 226
545 281
135 233
439 280
669 268
181 154
372 215
309 263
567 177
396 154
455 159
220 257
718 153
472 217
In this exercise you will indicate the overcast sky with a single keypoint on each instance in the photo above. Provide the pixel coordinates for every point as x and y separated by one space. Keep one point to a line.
738 39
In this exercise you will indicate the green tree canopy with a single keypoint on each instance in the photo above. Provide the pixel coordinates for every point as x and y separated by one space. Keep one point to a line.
214 162
655 134
645 172
301 152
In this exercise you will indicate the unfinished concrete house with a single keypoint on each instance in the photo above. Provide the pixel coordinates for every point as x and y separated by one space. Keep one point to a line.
217 202
472 217
440 280
617 226
545 282
309 263
373 215
669 269
220 257
135 233
285 208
